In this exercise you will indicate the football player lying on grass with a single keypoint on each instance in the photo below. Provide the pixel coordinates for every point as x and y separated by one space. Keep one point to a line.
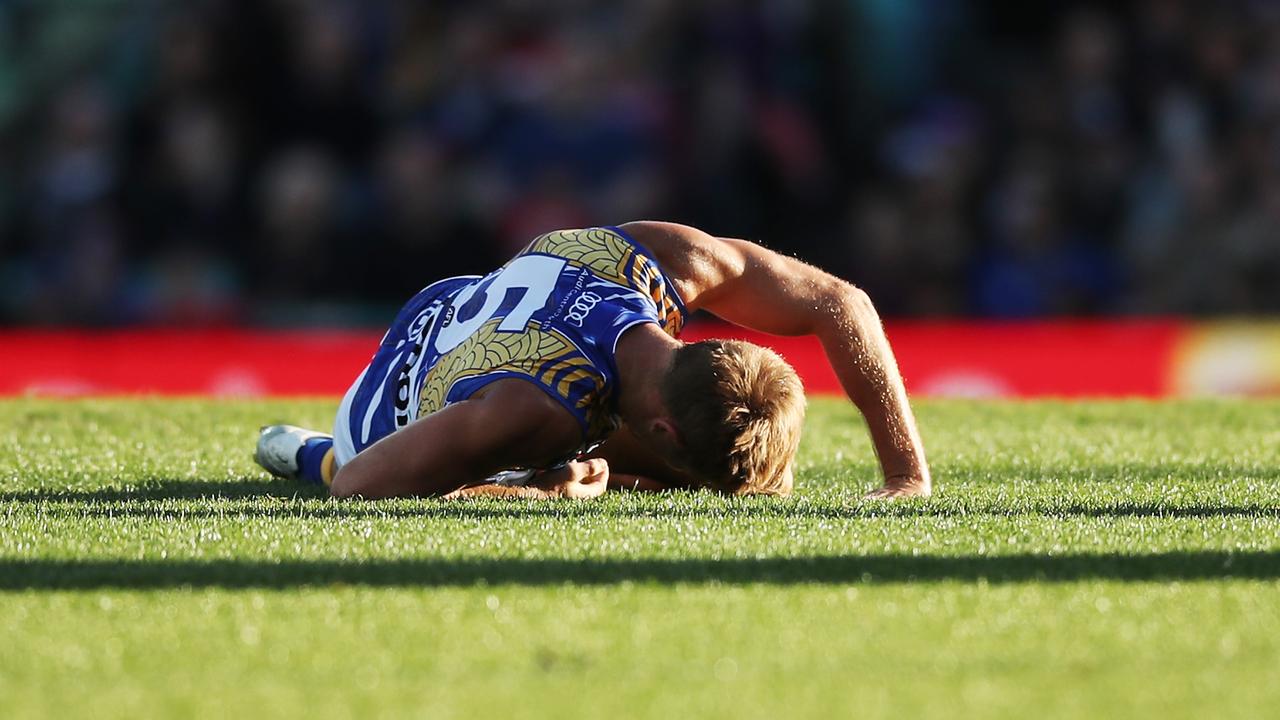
566 360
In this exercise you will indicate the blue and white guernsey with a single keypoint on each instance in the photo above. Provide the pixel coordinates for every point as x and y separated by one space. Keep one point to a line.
551 316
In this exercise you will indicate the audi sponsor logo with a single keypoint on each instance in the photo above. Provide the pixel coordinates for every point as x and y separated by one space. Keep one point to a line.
585 303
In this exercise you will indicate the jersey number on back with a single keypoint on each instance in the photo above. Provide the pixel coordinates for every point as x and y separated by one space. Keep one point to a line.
533 276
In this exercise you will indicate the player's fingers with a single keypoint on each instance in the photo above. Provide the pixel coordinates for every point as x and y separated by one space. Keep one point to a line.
596 470
889 493
883 493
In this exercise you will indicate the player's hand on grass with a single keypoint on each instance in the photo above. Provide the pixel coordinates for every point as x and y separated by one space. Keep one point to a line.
578 480
899 486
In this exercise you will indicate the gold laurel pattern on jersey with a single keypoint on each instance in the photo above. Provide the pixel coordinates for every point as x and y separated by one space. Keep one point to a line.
536 353
608 254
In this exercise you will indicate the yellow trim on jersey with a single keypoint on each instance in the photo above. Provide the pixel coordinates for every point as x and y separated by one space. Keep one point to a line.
573 376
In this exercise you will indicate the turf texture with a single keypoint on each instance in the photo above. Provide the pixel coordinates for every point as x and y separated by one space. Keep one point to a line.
1078 560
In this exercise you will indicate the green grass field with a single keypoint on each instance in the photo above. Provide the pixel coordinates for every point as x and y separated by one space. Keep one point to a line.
1078 560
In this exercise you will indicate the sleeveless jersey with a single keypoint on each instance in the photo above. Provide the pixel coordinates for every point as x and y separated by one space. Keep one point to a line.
552 316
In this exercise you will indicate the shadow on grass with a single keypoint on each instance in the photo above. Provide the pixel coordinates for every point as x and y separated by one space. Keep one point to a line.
170 489
879 569
239 497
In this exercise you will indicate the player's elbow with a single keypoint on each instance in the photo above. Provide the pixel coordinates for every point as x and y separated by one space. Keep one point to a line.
346 484
859 303
848 303
357 480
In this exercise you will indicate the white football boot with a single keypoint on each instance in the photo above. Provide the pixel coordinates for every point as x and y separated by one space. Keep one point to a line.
278 447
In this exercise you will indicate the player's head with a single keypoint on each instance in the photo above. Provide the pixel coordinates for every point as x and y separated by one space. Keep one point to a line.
736 411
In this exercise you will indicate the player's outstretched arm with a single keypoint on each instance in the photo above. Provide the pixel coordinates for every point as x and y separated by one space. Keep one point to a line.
510 424
754 287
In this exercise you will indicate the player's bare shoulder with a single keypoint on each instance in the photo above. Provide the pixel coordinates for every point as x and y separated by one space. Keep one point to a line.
695 262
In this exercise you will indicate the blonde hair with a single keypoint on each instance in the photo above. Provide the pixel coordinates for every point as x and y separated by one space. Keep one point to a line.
739 409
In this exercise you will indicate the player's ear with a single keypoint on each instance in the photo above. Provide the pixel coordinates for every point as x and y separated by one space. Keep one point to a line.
665 431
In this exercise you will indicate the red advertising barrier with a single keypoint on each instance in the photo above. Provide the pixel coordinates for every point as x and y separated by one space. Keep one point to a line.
1075 359
179 362
1071 359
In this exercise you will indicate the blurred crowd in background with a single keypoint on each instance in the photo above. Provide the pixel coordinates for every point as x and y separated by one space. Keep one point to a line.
223 161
